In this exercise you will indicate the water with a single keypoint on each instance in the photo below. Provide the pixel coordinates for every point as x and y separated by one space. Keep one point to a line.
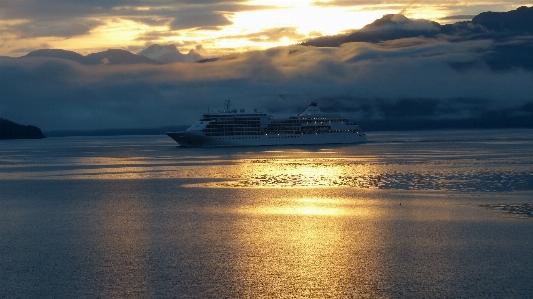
442 214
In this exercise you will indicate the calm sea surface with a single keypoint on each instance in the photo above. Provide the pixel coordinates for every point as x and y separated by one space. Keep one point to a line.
440 214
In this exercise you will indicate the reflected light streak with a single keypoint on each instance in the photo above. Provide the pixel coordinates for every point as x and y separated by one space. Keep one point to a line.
122 265
302 208
321 172
137 167
293 246
309 207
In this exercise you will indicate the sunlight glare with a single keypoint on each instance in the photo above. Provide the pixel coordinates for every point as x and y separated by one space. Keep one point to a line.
321 206
116 33
306 18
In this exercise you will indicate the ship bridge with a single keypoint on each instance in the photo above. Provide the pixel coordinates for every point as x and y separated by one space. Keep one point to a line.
313 112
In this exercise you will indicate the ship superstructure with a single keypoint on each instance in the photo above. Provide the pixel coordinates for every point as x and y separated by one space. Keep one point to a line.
242 128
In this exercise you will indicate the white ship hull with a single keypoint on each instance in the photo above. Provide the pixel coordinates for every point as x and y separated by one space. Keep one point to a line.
193 139
241 128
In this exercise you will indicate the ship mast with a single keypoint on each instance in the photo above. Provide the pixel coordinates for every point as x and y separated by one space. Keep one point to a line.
226 105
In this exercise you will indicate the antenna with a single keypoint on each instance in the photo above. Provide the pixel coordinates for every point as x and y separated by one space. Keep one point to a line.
226 105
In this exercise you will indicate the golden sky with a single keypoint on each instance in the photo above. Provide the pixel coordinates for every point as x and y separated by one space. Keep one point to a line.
212 27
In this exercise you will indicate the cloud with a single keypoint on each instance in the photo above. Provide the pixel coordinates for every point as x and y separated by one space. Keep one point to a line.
55 28
457 17
96 25
153 11
152 20
25 24
23 51
189 20
210 28
394 82
150 36
272 34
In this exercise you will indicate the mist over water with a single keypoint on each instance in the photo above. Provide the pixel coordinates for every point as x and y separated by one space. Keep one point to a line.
407 215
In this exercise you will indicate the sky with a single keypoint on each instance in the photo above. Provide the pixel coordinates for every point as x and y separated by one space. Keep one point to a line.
212 27
421 79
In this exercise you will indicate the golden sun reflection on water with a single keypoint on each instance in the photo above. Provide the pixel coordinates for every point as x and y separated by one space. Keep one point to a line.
309 207
309 247
319 172
122 266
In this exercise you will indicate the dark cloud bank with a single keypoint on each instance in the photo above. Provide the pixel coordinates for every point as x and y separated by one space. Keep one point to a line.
67 18
393 74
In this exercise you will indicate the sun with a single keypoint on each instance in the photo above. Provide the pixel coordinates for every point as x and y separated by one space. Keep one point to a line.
308 18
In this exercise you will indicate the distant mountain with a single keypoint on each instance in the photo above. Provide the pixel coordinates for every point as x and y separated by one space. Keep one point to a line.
501 27
390 27
109 57
518 21
114 56
58 53
169 54
11 130
394 26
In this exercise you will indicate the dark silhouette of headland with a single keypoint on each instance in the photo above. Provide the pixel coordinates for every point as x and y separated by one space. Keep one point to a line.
12 130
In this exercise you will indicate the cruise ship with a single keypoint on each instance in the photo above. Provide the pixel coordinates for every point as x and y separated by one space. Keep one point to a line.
238 127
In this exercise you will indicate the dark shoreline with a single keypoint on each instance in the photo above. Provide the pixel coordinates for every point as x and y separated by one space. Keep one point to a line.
12 130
